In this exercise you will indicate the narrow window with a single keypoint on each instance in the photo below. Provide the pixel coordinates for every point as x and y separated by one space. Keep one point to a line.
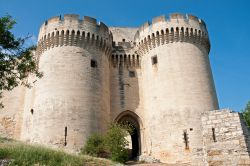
65 135
214 138
186 139
131 74
32 111
93 63
154 60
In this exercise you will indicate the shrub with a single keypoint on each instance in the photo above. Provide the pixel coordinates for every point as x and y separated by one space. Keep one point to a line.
246 114
116 142
95 146
111 145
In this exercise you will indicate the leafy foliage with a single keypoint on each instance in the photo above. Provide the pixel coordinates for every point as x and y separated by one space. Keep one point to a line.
112 145
116 142
16 61
246 113
95 146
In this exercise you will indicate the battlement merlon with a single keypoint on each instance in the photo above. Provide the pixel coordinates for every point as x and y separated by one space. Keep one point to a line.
176 19
72 31
73 22
175 27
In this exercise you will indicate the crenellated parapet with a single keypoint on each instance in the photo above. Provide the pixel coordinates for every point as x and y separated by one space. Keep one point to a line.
124 55
70 30
176 28
125 60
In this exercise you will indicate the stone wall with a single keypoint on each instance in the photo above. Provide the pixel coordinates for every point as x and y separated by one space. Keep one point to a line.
126 79
226 138
125 74
159 74
11 114
177 88
72 100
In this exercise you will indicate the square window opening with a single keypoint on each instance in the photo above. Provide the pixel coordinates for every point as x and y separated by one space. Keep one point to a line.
131 74
154 60
93 63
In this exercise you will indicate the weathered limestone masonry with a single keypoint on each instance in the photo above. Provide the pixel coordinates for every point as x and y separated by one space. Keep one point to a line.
226 138
156 77
72 100
177 86
11 115
125 73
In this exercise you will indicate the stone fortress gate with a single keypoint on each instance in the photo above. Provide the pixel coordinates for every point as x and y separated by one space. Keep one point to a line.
157 77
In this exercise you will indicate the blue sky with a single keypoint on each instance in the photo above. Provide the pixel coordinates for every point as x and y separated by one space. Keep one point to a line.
228 23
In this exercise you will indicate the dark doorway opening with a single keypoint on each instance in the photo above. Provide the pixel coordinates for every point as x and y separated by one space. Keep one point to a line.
135 144
135 148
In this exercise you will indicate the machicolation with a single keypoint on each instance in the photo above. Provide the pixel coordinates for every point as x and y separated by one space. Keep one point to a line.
71 31
157 77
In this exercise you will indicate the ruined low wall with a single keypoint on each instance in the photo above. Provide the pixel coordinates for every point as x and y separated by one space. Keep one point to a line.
226 138
11 114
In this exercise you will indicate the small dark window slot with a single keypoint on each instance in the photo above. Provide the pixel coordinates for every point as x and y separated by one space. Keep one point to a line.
32 111
154 60
131 74
93 63
65 135
214 138
186 140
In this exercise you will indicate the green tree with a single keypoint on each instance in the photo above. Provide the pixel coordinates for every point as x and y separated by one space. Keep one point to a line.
16 60
95 146
246 113
116 141
110 145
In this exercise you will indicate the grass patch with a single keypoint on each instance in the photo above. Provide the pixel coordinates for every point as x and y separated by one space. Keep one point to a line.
27 155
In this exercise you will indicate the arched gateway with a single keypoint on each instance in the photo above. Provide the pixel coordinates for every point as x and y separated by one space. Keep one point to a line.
134 120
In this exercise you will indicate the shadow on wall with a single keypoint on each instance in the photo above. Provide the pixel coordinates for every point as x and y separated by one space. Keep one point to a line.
246 133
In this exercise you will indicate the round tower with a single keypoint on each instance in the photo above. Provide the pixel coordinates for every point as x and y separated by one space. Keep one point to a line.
72 100
178 86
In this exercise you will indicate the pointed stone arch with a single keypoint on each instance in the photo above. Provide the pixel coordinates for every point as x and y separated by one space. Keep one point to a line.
133 119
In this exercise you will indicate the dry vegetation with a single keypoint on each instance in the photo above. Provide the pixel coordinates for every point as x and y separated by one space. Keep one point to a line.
21 154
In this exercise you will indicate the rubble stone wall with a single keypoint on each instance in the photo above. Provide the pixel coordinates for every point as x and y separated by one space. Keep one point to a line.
226 138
